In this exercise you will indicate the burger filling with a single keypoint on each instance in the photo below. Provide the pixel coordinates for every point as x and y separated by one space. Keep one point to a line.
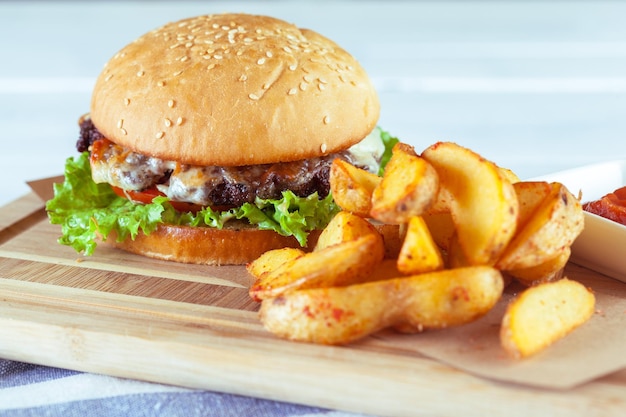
103 185
214 185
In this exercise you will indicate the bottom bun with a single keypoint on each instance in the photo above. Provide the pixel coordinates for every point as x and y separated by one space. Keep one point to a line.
208 246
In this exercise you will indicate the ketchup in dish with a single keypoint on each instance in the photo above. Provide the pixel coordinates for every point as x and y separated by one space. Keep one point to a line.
612 206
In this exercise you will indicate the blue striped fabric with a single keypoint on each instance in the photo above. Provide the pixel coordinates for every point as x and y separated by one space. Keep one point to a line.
30 390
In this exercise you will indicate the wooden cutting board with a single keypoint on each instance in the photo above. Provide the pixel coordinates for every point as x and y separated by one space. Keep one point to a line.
195 326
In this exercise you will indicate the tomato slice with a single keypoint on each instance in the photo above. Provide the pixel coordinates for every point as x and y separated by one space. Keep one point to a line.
146 197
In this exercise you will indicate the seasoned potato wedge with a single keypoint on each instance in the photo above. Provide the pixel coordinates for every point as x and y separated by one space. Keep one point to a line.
530 195
419 252
509 175
342 264
482 201
343 227
543 314
272 260
409 186
352 187
553 225
340 315
550 270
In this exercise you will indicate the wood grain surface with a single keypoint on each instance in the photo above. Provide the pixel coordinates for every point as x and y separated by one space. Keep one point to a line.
195 326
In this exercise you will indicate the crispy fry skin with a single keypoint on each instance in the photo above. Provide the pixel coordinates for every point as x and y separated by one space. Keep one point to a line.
352 187
543 314
550 270
408 188
337 265
271 260
345 226
481 200
419 251
341 315
553 225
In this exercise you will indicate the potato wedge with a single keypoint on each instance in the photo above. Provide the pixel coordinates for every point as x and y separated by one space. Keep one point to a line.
341 315
550 270
554 224
409 186
509 175
342 264
543 314
419 252
272 260
482 202
343 227
530 195
352 187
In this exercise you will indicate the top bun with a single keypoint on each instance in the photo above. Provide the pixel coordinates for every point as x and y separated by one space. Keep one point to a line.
234 89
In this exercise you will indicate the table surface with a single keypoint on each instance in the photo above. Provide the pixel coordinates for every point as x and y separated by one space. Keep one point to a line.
535 86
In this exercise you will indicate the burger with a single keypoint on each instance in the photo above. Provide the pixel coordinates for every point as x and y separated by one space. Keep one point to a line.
209 140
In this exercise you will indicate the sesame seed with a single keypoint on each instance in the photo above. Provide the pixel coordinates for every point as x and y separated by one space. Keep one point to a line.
321 87
269 54
184 58
179 121
287 49
120 123
293 67
140 73
303 86
177 73
167 122
161 83
261 61
253 96
127 101
243 77
159 135
326 120
211 66
307 78
322 80
108 77
266 86
170 104
124 132
323 148
292 91
218 56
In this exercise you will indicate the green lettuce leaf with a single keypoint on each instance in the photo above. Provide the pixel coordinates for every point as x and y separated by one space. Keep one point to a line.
389 142
86 211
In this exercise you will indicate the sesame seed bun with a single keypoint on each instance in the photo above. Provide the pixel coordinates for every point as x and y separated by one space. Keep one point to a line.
231 90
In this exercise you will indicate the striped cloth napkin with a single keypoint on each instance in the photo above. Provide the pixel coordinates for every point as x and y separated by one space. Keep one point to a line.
31 390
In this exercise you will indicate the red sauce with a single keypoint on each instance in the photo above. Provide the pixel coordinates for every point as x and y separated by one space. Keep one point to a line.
612 206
